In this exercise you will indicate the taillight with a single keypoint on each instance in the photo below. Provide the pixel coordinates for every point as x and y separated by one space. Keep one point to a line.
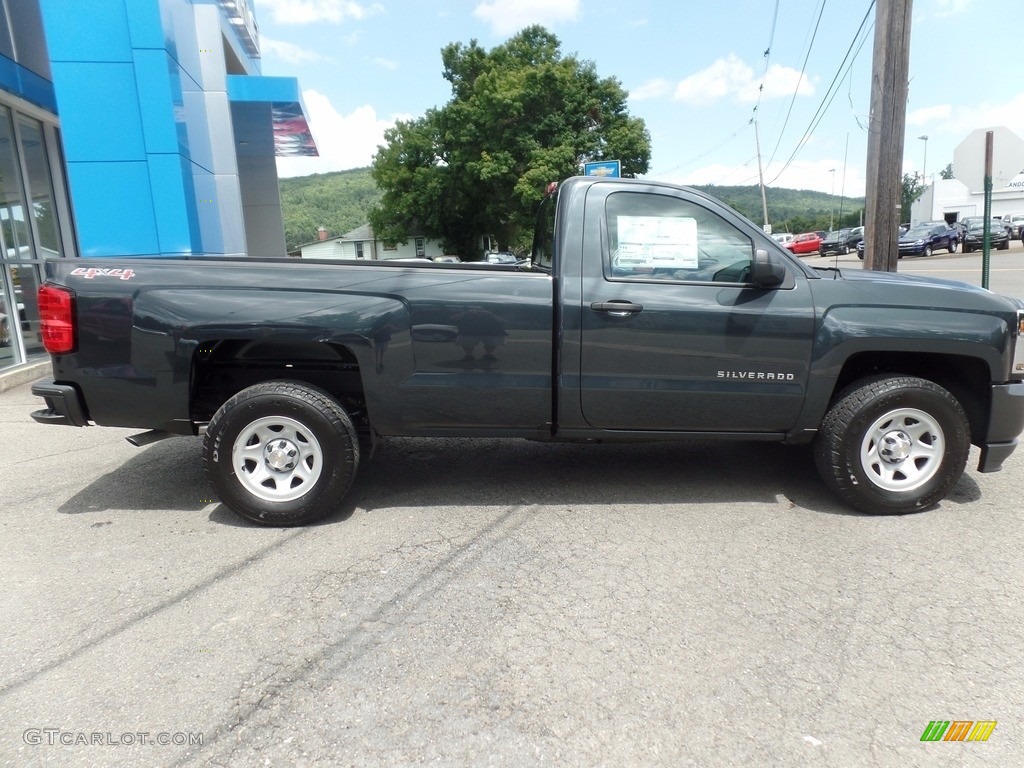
56 319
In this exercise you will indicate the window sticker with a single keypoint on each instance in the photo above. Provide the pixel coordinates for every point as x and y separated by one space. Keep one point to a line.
657 242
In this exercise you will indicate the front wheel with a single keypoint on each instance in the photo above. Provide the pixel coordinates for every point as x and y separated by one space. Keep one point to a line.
281 453
927 251
893 444
952 246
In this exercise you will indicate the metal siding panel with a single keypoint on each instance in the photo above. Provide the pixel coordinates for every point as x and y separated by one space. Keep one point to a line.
107 40
99 105
114 208
172 201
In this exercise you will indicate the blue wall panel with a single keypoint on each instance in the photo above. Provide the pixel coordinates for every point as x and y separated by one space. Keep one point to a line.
145 26
114 209
173 196
92 31
107 128
160 101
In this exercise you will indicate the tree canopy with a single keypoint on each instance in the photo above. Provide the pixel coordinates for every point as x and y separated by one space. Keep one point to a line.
521 115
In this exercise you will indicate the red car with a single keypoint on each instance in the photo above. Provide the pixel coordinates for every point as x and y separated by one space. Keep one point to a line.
809 242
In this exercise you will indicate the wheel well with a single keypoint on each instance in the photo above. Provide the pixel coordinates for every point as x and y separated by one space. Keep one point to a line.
222 368
966 378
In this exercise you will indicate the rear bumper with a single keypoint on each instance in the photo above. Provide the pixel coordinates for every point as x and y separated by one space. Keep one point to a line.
64 404
1005 424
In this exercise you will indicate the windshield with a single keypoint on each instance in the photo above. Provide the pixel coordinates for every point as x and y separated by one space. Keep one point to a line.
918 232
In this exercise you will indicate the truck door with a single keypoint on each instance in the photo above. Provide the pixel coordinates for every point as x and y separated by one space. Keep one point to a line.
673 336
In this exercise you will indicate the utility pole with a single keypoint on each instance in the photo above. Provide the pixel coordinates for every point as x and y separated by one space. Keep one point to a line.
760 176
889 77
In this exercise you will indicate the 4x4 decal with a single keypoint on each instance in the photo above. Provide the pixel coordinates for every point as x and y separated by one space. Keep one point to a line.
90 272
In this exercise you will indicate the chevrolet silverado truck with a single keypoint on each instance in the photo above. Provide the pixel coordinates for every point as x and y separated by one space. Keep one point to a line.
646 311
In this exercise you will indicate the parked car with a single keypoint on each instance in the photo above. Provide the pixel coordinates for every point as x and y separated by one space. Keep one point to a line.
808 242
974 240
783 237
1016 222
925 240
841 241
997 224
860 245
501 257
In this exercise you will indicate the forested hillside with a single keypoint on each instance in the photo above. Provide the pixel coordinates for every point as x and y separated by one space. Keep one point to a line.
341 201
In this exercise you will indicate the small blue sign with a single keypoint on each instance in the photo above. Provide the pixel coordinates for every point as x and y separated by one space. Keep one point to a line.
607 168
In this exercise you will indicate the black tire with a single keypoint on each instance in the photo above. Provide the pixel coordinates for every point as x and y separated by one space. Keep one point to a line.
1004 245
893 444
952 246
287 423
927 251
967 248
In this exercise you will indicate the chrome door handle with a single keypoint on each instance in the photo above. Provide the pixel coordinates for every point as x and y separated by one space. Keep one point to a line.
617 308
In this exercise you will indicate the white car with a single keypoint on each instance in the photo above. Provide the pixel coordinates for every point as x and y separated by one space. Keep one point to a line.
783 237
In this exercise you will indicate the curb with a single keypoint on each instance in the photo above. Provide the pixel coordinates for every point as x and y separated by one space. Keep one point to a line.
23 374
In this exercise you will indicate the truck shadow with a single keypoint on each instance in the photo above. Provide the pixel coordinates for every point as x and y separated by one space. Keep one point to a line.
487 472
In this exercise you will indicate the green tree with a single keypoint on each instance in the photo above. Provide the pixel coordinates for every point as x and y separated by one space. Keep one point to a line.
913 188
521 115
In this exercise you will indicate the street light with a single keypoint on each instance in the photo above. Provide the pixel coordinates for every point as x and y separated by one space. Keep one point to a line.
924 165
832 202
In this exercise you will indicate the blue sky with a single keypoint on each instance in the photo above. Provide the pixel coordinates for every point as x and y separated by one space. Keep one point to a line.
694 70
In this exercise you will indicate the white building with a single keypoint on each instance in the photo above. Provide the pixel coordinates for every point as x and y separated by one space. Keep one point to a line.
954 199
361 243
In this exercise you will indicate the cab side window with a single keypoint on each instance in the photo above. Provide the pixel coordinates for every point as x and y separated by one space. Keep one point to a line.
658 237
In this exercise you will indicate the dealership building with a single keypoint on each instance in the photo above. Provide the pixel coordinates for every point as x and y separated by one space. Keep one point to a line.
963 195
134 128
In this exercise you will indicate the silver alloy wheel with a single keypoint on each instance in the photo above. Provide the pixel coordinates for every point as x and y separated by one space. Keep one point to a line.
277 458
902 450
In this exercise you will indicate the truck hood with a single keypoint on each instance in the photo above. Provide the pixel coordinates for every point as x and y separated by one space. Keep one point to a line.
895 287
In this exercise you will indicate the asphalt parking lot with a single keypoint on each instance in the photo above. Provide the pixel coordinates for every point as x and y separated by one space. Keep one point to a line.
501 602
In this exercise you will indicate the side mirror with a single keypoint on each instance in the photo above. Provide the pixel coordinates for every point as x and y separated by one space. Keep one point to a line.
767 271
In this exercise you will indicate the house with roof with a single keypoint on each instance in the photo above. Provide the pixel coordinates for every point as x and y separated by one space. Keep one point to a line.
362 243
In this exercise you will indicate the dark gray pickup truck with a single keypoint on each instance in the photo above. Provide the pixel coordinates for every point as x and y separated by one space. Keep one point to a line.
647 312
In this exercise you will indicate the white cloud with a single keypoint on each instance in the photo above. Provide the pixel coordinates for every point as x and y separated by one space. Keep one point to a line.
509 16
731 77
961 120
388 64
952 7
289 52
652 89
928 115
344 141
317 11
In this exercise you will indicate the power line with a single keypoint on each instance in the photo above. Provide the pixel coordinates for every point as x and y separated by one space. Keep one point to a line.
829 96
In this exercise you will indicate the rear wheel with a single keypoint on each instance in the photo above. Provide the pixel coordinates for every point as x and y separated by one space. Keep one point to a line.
893 444
281 453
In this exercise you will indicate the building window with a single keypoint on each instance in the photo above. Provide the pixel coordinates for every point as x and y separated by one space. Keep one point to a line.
29 227
359 250
421 247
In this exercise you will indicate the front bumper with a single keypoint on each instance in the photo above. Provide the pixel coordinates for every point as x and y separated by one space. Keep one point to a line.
64 404
1005 424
